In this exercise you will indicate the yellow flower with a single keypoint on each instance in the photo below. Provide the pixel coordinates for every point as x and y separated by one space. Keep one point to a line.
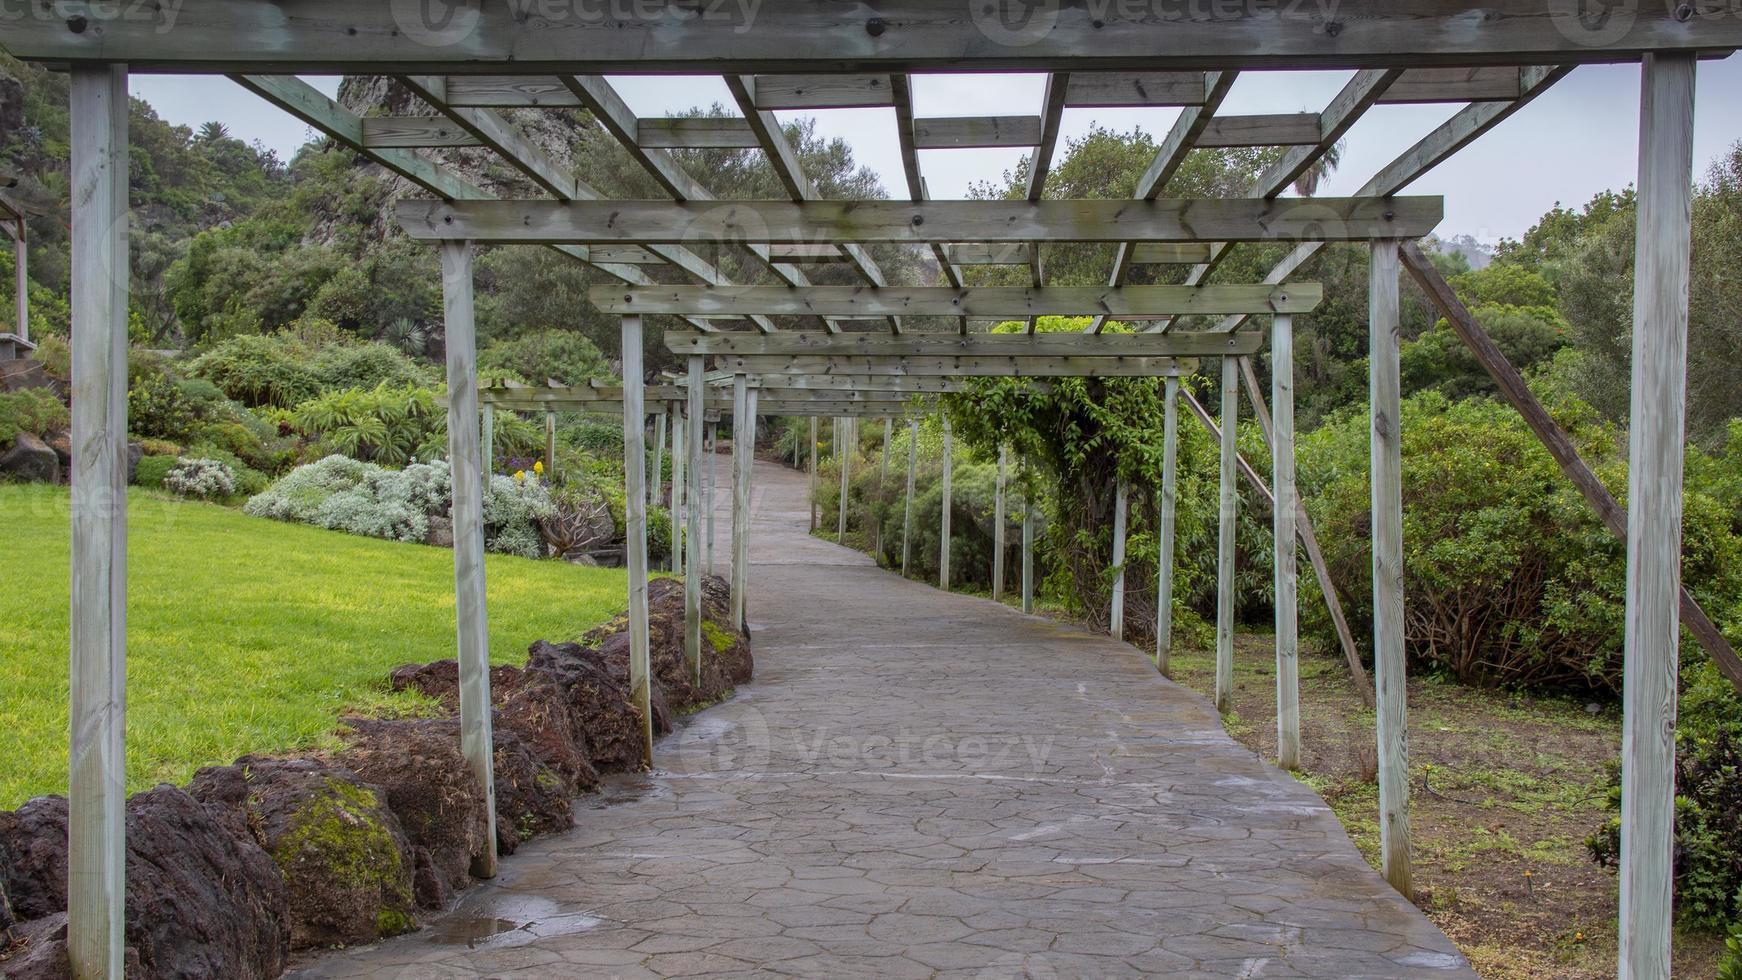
538 467
520 475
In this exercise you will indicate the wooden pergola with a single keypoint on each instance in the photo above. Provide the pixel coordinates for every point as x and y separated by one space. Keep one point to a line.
12 217
468 60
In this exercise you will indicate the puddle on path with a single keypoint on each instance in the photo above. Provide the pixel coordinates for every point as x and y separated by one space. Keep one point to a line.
498 921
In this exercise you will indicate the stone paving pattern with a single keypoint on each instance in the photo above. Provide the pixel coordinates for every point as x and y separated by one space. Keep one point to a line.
928 785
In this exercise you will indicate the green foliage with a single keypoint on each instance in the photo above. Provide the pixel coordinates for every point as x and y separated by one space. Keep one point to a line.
31 410
160 409
367 365
562 356
206 479
259 370
1439 361
390 425
151 471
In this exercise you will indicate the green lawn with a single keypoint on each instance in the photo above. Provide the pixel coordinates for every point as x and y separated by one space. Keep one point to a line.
244 634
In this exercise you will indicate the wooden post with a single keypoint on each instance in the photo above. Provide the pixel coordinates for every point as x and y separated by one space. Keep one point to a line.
1165 534
741 429
844 450
550 447
713 450
679 458
907 506
1386 465
635 535
998 527
466 461
944 528
1310 542
656 487
882 479
1116 616
488 451
1283 531
814 518
1225 539
1654 513
1027 554
97 797
21 288
692 583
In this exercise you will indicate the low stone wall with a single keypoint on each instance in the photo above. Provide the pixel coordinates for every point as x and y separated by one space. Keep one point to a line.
268 855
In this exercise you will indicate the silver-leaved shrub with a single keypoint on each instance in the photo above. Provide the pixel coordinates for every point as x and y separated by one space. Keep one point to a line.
207 479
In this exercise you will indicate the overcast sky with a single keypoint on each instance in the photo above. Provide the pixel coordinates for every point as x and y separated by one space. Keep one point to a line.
1578 138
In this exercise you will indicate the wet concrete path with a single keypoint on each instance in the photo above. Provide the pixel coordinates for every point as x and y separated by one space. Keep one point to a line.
927 785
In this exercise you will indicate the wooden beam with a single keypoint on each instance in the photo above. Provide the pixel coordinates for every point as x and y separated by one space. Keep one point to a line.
968 132
97 693
1009 253
865 345
1277 129
679 463
1225 538
414 132
1109 90
1027 554
471 616
509 92
1429 85
1123 302
813 470
743 435
1657 435
807 254
822 91
1517 392
780 385
635 222
696 132
1386 472
625 255
1167 505
998 524
1179 253
798 36
635 530
901 91
989 366
844 435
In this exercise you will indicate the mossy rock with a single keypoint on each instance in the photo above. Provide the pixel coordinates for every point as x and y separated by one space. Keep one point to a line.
344 856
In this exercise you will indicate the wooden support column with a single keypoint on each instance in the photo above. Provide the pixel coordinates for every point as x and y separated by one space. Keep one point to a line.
907 505
741 429
1116 615
713 450
488 452
21 285
1283 532
1386 466
466 462
944 517
1165 534
1654 514
1309 541
882 479
692 583
97 797
635 496
1027 554
1225 539
998 527
679 458
814 517
656 486
550 446
844 450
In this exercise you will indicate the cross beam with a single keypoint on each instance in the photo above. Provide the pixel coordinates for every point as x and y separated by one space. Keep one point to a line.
925 222
1107 347
1127 302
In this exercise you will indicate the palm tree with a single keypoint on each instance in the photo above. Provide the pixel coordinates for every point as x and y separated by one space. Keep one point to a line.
1307 184
212 132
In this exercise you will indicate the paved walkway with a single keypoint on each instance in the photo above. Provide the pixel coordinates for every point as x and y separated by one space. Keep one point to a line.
919 785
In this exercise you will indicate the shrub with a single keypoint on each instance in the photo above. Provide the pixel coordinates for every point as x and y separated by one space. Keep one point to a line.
32 410
151 470
207 479
562 355
386 424
344 494
159 409
366 366
259 370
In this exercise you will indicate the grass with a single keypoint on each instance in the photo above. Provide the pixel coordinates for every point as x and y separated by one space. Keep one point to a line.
247 635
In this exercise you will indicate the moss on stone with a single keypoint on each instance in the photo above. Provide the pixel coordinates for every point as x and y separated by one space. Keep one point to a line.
718 637
338 830
392 922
